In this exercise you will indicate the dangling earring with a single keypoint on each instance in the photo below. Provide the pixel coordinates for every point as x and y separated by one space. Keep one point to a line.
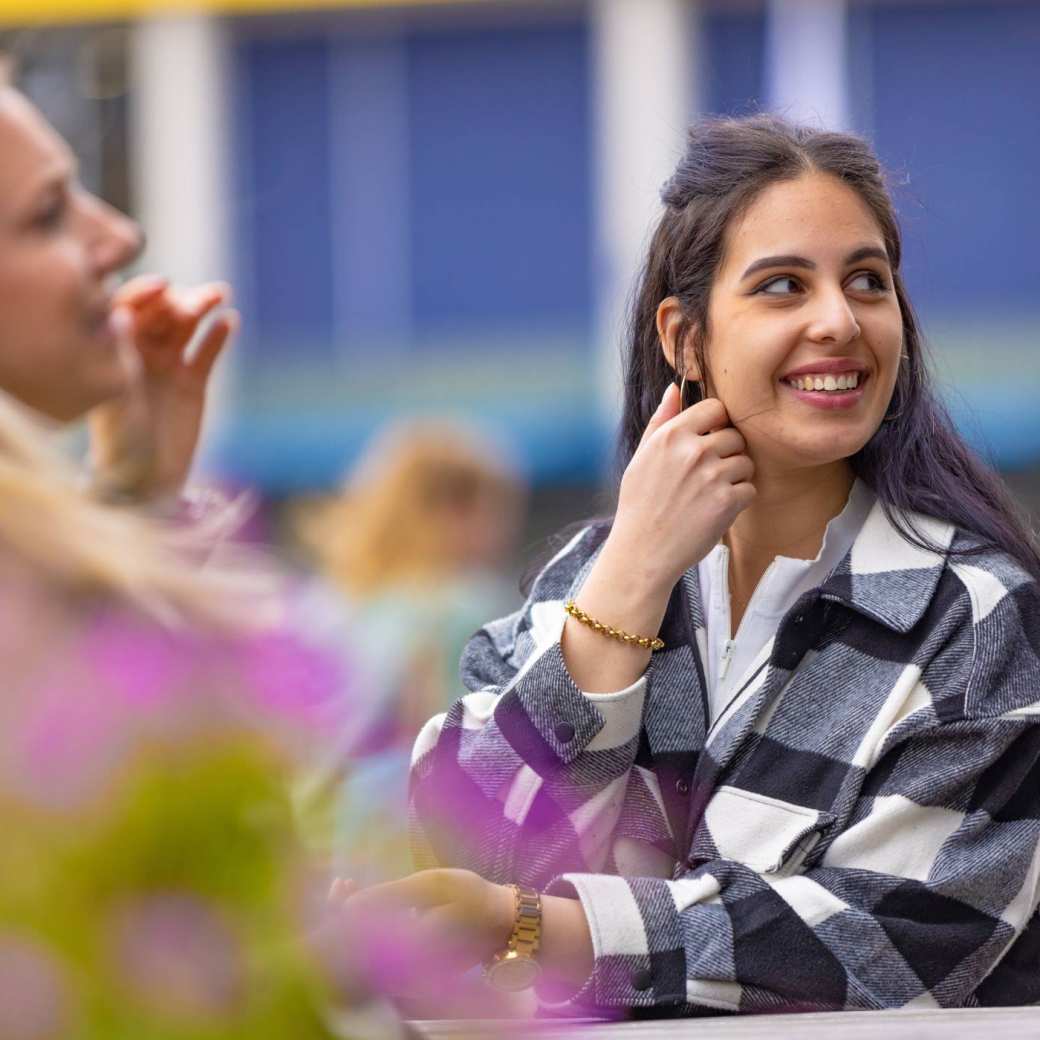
898 414
691 383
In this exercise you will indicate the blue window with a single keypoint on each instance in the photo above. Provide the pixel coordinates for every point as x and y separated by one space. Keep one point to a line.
500 182
731 75
956 92
282 216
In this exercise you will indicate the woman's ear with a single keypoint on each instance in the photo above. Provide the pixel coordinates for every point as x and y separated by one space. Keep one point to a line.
669 326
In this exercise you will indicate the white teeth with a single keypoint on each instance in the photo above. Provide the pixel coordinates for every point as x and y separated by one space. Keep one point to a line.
846 381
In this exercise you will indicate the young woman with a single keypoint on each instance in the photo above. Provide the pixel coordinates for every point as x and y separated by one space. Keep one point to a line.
769 739
151 715
71 343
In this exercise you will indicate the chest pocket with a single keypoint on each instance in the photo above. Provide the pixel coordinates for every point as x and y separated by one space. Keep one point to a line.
768 835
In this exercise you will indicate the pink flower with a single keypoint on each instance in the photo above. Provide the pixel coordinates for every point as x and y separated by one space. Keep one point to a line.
34 999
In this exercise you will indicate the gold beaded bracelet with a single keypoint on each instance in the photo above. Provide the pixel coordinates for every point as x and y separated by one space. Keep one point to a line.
646 642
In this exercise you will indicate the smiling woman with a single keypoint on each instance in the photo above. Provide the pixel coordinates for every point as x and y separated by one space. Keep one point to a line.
72 341
769 738
59 247
151 704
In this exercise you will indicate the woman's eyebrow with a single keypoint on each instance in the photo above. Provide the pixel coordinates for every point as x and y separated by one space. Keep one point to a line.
790 260
867 253
778 261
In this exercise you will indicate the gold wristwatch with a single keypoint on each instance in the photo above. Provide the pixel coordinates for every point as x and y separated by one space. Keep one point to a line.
515 968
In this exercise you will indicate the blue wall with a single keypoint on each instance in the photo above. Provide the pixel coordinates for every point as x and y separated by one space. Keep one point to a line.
956 113
730 77
414 231
500 201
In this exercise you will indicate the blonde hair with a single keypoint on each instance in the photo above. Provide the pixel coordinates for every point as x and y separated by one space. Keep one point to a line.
389 524
51 524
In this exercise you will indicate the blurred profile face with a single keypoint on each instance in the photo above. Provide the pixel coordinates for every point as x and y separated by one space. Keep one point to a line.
805 331
59 247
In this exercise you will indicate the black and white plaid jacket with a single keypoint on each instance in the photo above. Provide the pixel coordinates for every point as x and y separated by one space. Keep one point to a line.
859 829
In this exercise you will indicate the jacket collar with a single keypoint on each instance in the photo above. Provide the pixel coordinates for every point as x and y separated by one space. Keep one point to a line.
886 577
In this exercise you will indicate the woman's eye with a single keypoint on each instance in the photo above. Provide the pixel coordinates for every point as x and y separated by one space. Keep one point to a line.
868 282
784 285
51 218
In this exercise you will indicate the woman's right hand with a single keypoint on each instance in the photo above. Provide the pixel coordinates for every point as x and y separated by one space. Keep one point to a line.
685 485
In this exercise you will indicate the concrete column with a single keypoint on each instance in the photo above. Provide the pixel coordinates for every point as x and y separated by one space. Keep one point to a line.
644 61
180 155
807 62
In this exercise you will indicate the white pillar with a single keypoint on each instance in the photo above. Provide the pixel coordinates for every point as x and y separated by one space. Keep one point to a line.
807 62
644 100
179 154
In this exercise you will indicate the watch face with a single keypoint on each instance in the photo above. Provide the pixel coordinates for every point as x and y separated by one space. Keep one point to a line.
513 972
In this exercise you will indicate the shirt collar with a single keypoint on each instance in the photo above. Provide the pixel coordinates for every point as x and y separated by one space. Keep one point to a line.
885 576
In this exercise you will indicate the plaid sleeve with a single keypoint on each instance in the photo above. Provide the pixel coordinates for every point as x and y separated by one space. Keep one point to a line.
525 759
916 901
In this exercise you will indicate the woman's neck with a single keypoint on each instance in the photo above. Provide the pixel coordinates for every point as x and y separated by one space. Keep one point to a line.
788 518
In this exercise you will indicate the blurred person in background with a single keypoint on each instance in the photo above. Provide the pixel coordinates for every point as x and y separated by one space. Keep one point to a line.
154 706
769 738
74 343
413 551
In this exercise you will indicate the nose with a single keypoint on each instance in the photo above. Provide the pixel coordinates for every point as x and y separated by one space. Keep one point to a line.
114 239
832 320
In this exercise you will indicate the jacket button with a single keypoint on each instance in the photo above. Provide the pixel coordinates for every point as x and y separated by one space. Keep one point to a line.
682 786
641 980
564 732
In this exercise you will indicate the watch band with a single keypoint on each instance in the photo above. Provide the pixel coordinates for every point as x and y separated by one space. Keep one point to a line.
516 967
526 936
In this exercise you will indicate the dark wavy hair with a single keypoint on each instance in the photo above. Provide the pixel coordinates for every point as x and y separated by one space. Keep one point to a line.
916 462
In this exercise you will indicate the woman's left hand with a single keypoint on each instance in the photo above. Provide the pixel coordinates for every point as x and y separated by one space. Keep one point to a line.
417 935
143 444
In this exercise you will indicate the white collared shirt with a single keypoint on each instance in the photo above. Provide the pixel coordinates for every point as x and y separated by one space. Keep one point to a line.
729 656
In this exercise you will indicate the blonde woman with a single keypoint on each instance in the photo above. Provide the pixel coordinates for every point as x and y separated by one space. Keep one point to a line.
412 549
151 710
71 342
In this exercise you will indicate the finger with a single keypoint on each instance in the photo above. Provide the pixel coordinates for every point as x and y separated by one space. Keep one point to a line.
157 316
341 890
173 316
744 493
213 343
203 300
725 442
667 409
138 292
123 326
706 416
421 890
737 469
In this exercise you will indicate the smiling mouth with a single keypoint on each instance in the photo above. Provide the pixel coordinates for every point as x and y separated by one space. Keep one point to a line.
827 384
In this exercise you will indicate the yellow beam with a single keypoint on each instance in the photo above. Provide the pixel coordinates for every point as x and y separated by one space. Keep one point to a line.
50 12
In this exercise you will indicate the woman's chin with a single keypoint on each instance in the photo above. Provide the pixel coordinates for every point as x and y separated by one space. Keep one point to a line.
807 452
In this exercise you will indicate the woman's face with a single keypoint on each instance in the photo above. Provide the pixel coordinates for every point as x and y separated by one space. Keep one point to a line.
59 248
805 331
